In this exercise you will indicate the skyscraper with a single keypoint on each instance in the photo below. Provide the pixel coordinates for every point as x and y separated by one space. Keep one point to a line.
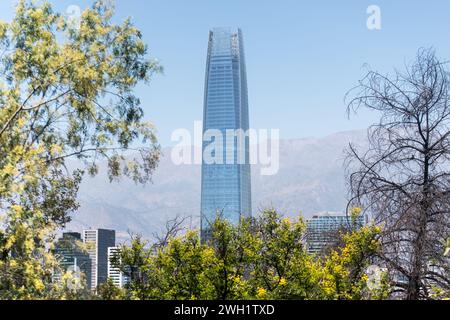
97 243
226 186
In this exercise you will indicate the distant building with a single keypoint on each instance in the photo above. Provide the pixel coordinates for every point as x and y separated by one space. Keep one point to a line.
97 244
322 228
114 273
72 257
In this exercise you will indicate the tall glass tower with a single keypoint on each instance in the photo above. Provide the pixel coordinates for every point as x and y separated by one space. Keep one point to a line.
226 187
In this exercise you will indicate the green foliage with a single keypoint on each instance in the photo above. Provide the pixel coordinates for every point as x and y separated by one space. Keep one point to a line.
109 291
64 92
283 269
179 269
345 267
447 248
257 259
73 286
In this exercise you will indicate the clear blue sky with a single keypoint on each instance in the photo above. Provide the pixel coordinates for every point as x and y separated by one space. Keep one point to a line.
302 56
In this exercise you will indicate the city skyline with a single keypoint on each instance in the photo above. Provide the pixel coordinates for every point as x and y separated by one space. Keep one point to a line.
97 139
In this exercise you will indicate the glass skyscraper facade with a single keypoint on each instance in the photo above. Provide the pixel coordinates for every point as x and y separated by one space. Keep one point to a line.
226 187
322 228
72 257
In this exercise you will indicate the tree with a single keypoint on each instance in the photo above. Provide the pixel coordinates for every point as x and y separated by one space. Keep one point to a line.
345 267
65 92
109 291
233 248
281 267
403 177
182 267
260 258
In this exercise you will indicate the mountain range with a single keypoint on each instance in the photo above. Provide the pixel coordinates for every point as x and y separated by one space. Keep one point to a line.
311 179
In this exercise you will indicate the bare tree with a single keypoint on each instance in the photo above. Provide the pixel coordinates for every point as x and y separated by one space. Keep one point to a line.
173 228
403 178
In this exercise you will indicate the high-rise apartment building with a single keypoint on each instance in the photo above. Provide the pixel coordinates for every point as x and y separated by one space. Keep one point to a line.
97 244
226 186
322 228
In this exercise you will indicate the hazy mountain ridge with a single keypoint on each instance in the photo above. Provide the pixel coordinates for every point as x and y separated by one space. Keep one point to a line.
310 179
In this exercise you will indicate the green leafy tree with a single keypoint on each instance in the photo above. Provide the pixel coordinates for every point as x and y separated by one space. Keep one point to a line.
232 249
282 268
345 268
65 92
180 268
109 291
260 258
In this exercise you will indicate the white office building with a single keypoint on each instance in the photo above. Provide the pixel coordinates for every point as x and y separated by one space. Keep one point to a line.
117 277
